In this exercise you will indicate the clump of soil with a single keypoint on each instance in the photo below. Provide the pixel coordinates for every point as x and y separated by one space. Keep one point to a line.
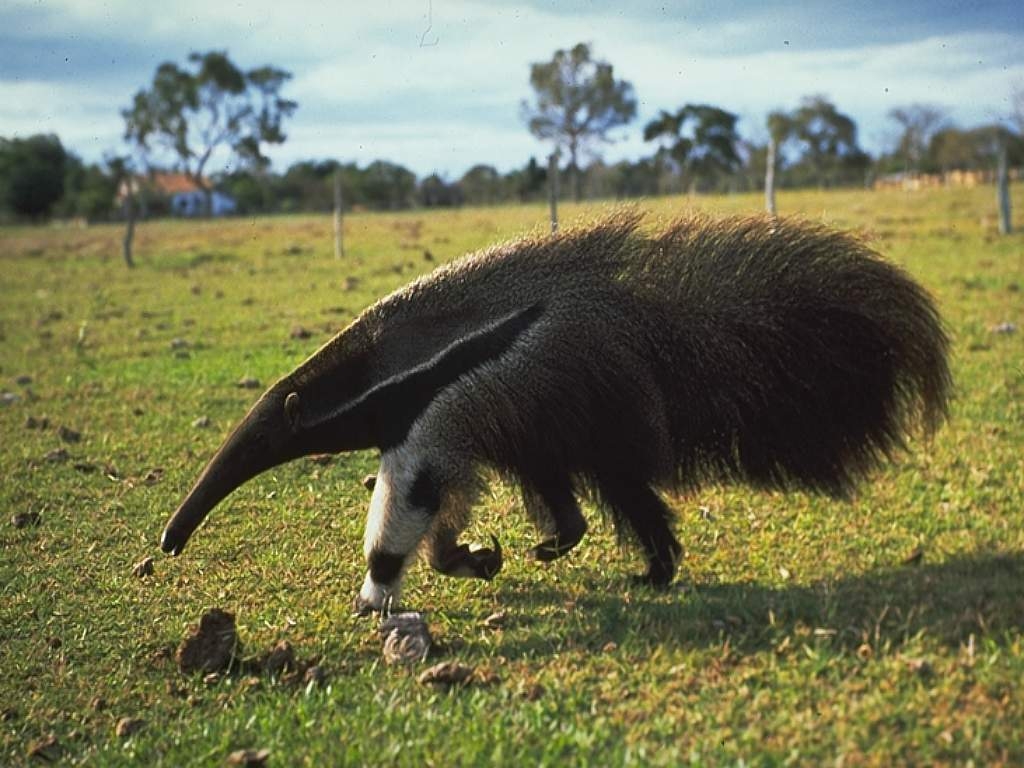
447 674
451 674
406 638
47 749
126 726
143 568
211 646
28 519
279 660
56 456
249 757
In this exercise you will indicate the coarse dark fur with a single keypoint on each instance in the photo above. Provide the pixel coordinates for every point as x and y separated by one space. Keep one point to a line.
772 352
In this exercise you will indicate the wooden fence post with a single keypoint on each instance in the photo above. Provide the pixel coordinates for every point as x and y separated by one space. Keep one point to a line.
553 189
339 244
1003 192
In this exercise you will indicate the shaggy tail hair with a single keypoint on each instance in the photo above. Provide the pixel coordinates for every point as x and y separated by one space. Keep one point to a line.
797 358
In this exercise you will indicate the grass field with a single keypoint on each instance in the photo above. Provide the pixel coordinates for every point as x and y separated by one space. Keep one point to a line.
802 631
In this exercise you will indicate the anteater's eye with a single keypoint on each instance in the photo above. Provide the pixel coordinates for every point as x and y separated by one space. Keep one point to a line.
292 410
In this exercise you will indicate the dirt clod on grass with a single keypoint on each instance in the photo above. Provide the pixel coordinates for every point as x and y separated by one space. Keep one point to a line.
211 646
26 519
68 435
447 674
126 726
406 638
496 620
251 757
154 476
279 660
143 568
314 676
300 332
46 748
369 482
57 456
248 382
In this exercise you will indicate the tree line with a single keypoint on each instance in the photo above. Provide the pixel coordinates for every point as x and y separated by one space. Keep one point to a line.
188 114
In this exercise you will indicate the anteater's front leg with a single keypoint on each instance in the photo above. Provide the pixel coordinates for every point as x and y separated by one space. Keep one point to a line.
405 502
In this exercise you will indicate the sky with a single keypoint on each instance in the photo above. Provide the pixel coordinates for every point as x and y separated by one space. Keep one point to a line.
437 85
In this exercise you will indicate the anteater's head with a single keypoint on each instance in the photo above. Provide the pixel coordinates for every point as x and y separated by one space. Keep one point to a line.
315 409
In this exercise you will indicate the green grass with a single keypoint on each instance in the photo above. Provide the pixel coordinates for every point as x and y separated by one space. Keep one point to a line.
797 633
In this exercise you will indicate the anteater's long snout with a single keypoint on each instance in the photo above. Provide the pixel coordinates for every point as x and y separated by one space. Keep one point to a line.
260 442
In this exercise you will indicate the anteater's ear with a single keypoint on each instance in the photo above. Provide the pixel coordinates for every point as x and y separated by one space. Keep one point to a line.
293 411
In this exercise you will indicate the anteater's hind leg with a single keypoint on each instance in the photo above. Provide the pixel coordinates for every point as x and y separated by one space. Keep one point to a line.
636 505
552 507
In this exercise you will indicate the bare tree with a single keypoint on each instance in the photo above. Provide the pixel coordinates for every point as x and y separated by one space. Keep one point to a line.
918 123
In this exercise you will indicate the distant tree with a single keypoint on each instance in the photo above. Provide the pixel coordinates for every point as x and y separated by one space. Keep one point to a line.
827 141
527 183
388 186
952 148
89 190
578 102
251 191
32 174
701 140
917 123
635 179
308 185
187 115
482 185
434 191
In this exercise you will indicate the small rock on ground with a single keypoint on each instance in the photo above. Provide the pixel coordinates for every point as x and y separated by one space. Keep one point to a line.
406 638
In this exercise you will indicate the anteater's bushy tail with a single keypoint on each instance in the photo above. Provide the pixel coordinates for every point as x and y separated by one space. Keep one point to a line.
797 358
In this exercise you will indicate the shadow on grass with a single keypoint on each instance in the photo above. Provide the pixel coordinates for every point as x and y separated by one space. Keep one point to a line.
980 595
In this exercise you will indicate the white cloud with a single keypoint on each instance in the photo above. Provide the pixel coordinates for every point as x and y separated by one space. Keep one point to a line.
367 89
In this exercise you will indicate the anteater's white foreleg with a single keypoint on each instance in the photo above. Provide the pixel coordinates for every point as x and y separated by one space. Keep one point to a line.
420 492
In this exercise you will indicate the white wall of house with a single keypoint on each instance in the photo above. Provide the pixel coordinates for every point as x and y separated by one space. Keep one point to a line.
194 203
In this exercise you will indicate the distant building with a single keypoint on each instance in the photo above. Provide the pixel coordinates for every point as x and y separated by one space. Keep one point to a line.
175 194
